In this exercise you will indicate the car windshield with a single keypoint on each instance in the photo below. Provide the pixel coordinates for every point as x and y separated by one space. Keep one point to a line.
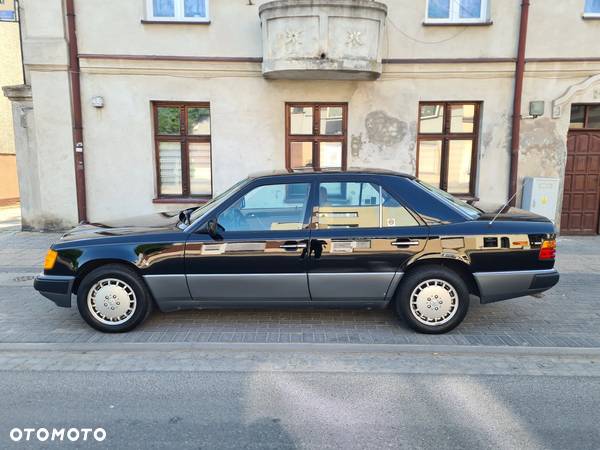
464 207
200 211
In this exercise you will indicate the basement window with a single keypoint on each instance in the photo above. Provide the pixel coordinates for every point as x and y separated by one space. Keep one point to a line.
177 11
457 12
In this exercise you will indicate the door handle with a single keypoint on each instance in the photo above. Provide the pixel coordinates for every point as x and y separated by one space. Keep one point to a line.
293 246
406 243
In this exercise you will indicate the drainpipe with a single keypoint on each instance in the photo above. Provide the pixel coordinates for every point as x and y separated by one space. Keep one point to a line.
516 119
76 115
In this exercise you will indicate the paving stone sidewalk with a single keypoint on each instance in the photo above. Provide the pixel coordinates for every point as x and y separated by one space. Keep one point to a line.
567 316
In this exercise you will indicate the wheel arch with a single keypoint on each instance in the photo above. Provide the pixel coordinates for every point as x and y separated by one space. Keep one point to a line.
458 266
89 266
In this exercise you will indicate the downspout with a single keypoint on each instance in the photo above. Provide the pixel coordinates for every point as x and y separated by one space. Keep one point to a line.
516 119
76 112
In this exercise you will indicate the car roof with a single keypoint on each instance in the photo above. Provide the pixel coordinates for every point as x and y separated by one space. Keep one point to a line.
325 173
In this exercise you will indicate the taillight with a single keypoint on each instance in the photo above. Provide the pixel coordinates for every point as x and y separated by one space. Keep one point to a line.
548 249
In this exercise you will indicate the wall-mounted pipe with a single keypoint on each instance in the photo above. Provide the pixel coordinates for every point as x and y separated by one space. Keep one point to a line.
74 76
516 119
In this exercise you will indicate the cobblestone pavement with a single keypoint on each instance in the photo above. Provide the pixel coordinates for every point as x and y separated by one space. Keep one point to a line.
567 316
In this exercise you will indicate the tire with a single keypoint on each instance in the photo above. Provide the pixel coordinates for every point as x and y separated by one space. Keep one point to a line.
113 299
432 299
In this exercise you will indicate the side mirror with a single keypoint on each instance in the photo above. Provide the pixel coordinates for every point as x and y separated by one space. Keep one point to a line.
213 229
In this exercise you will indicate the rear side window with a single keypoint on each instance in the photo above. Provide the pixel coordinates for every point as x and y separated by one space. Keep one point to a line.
431 208
359 205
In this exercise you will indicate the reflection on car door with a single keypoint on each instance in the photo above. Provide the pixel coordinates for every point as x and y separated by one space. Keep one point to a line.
361 236
262 255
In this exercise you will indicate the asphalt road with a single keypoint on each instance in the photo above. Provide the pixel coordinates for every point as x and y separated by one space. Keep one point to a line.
279 406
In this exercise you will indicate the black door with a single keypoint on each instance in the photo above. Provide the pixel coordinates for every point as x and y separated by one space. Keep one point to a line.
262 254
360 238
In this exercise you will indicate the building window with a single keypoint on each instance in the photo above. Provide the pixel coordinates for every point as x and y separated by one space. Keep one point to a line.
178 10
592 8
316 136
457 11
585 117
447 146
183 150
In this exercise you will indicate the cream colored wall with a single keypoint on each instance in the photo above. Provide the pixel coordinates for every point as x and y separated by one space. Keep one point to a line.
45 154
248 111
248 128
114 27
557 29
10 73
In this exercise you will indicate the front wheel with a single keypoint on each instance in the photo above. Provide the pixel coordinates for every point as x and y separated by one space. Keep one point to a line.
113 299
432 299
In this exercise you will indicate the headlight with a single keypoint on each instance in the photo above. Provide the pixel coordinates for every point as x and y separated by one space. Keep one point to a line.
50 259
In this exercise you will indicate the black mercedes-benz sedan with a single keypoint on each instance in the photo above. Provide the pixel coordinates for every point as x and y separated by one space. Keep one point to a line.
321 239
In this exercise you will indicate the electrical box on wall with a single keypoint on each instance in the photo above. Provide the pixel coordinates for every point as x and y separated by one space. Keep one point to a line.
540 196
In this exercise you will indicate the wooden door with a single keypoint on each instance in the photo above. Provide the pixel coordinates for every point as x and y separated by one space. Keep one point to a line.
581 198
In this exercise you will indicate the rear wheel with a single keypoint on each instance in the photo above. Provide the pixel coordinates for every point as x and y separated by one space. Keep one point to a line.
113 299
432 299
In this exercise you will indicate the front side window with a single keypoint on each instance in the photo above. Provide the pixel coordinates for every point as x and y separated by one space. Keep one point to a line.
178 10
459 11
268 208
592 7
447 146
316 136
359 205
183 149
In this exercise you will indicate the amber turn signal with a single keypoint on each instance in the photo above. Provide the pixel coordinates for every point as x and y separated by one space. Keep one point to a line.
548 250
50 259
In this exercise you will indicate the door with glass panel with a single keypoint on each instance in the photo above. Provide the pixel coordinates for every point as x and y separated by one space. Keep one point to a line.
183 150
316 136
361 235
262 251
447 146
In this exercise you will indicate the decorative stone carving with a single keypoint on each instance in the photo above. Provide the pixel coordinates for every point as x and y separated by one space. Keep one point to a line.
560 102
322 39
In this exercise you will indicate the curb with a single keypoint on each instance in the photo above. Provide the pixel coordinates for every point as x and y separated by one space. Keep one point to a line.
301 347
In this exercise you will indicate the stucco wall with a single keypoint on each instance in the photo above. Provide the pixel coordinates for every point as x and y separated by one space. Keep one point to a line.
43 124
248 111
405 35
9 187
248 128
10 73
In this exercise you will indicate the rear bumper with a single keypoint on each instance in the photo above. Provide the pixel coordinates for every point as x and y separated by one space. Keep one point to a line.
56 288
496 286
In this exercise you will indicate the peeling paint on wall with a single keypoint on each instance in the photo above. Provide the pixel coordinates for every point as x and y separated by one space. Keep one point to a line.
543 148
384 130
387 142
356 144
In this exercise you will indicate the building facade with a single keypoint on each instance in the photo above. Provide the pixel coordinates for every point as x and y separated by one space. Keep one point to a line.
179 99
10 73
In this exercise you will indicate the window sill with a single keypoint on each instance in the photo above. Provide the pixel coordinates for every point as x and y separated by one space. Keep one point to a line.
179 200
483 23
175 22
591 16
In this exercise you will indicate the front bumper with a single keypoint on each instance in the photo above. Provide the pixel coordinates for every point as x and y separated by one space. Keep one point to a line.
496 286
56 288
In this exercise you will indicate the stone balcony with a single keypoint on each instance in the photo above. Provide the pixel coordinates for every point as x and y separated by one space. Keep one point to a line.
322 39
